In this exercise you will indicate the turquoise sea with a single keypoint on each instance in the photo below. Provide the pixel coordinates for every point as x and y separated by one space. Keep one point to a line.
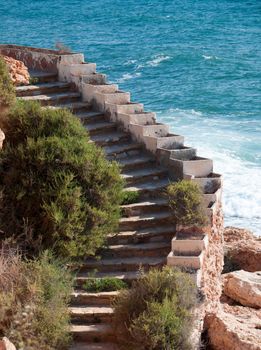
195 62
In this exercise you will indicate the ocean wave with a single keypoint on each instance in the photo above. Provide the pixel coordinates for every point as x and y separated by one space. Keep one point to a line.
210 57
155 61
128 76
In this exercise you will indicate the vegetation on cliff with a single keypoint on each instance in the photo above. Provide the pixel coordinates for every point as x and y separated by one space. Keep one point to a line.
58 191
185 201
155 313
34 298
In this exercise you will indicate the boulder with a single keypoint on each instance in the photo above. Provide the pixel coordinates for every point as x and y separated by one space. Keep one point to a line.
5 344
234 328
243 287
242 249
2 137
18 71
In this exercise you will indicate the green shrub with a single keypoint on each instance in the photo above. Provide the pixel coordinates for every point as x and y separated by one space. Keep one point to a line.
96 285
7 91
156 312
130 197
58 191
185 201
34 299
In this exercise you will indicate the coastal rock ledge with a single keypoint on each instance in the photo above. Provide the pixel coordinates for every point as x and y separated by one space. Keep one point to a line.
243 287
234 328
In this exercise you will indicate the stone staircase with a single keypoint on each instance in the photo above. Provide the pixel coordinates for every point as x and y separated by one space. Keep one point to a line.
145 229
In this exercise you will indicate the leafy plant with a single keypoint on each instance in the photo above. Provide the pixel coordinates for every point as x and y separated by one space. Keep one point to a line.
96 285
7 91
130 197
155 312
58 190
185 201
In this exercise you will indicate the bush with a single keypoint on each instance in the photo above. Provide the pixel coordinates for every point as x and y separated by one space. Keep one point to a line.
58 191
7 90
96 285
185 201
34 298
156 312
130 197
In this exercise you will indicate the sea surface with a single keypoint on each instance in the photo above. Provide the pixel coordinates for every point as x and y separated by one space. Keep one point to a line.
197 63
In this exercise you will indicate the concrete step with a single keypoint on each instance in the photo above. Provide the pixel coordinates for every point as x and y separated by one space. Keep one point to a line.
43 77
153 249
43 88
150 173
149 188
90 117
101 127
93 332
53 99
122 264
139 208
185 261
124 150
80 297
152 234
83 314
146 220
126 276
136 162
74 107
93 346
110 138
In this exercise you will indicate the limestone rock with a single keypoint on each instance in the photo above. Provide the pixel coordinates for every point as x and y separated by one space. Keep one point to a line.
18 71
5 344
243 287
2 137
243 248
234 328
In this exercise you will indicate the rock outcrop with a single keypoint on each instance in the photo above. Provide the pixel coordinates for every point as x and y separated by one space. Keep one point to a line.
242 249
243 287
234 328
18 71
5 344
2 137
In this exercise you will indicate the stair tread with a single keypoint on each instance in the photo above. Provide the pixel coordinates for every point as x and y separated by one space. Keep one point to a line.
92 328
88 114
93 346
99 125
90 310
41 74
149 185
115 274
109 136
145 231
70 105
124 147
50 97
108 295
137 159
143 172
125 260
148 203
147 216
36 87
140 246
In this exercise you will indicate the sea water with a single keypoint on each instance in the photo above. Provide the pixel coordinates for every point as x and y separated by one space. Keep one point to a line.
197 63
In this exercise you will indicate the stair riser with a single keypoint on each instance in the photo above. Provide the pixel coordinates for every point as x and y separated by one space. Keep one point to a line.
87 300
110 128
116 267
142 239
145 194
157 252
135 166
43 91
112 141
150 177
79 282
123 154
47 79
139 210
58 100
93 337
90 319
90 120
140 224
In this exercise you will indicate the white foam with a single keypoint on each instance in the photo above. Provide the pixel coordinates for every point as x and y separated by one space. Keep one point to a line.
210 57
128 76
155 61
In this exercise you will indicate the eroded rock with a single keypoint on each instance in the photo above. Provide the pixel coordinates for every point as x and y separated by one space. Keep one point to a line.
2 137
18 71
234 328
242 249
5 344
243 287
